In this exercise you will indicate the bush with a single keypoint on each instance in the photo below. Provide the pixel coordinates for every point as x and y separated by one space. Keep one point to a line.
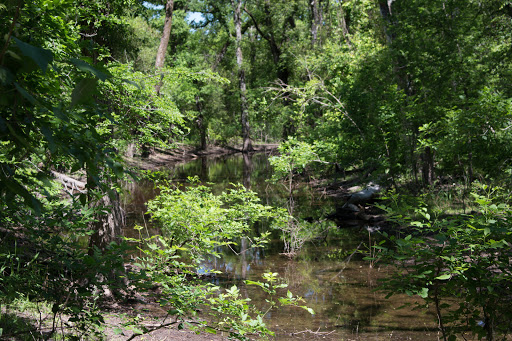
458 264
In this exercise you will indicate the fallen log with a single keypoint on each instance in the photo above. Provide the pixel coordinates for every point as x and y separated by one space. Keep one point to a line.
70 184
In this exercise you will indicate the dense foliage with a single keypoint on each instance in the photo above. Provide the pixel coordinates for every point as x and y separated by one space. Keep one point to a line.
416 92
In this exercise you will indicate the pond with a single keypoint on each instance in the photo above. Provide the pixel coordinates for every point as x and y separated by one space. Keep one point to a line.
328 273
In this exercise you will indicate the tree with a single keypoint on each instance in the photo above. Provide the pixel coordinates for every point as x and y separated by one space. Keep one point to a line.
316 20
164 41
247 145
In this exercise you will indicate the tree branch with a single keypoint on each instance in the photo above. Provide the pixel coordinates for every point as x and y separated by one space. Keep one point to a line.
266 37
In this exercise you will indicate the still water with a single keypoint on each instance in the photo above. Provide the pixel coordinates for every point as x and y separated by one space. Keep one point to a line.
333 279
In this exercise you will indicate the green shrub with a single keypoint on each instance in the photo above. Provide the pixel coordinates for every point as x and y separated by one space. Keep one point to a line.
459 265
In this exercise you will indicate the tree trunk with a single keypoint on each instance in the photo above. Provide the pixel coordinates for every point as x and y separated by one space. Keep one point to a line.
109 224
203 171
470 162
283 73
247 145
385 10
342 21
110 217
164 41
201 124
316 21
221 55
428 166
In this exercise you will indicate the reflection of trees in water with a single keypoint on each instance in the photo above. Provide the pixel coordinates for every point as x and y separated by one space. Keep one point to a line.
133 202
340 300
203 173
247 170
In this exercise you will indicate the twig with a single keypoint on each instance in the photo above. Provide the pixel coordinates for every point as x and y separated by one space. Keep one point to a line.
347 260
318 332
155 327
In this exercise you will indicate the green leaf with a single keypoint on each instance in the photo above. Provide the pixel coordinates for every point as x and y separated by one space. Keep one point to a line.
6 76
83 91
86 67
443 277
48 134
248 282
311 311
423 293
137 331
210 330
27 95
132 83
41 56
29 199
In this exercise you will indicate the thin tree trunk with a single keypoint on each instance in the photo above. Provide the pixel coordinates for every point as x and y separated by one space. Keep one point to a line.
283 73
316 20
221 55
247 144
385 10
343 23
428 166
164 41
470 163
201 124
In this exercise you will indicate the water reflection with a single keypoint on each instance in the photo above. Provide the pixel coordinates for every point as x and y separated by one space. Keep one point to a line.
333 280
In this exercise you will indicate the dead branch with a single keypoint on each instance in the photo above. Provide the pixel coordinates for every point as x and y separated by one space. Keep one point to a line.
347 260
318 332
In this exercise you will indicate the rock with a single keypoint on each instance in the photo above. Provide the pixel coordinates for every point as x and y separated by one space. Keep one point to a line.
363 196
351 208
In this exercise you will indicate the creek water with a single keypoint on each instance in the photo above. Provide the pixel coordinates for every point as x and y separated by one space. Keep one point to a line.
334 280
